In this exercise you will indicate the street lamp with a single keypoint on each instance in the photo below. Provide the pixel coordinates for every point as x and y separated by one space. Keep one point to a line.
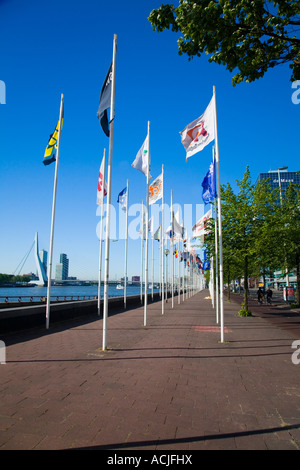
279 182
166 253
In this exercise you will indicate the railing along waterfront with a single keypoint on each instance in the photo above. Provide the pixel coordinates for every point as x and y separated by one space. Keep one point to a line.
4 299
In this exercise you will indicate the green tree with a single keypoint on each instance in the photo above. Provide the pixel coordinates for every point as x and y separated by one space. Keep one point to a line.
4 278
10 278
288 232
246 219
251 36
268 250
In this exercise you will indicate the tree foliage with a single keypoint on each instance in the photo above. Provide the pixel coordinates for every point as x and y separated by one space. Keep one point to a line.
248 220
251 36
288 232
10 278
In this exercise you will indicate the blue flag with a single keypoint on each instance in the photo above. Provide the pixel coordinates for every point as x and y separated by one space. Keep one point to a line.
122 199
209 185
104 103
206 263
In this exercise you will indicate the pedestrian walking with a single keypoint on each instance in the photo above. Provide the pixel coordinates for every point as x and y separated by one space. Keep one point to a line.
260 295
269 294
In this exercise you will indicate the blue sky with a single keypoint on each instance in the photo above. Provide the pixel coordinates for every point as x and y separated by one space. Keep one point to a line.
64 46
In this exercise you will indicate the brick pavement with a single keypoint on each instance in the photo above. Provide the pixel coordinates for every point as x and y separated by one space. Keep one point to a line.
168 386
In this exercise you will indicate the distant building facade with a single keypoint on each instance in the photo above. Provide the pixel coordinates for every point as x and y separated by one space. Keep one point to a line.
62 268
286 177
278 278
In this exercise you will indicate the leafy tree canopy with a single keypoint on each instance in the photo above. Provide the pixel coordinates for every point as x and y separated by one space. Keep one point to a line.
251 36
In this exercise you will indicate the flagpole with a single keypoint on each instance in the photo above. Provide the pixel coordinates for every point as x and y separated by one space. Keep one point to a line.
126 243
111 135
101 232
160 264
178 263
217 262
190 285
162 240
53 213
147 230
219 220
152 264
142 254
183 286
216 252
172 244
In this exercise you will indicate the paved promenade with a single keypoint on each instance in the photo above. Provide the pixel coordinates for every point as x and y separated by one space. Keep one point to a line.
168 386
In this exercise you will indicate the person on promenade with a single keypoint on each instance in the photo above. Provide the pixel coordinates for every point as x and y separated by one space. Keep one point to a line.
260 295
269 295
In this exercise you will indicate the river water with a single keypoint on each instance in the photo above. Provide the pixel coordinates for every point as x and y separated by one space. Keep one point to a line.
27 294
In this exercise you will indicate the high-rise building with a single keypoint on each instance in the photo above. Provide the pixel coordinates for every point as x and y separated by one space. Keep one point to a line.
281 179
58 272
65 262
286 177
62 268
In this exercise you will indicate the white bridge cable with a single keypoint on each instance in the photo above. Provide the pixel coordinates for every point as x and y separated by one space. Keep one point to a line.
23 260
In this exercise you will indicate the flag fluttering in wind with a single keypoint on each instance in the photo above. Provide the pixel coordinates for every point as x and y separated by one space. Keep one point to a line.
102 185
150 227
122 199
171 233
155 190
156 235
200 228
104 102
51 148
209 185
206 263
142 158
200 132
177 228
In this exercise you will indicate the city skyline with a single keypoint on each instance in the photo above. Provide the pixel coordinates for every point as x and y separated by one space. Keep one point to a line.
171 94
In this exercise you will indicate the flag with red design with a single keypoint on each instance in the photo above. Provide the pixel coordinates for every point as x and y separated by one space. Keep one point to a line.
200 132
100 192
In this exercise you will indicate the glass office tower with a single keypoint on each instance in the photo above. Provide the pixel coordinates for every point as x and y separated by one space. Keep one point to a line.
286 177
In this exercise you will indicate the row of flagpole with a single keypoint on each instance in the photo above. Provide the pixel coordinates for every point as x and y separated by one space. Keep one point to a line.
194 138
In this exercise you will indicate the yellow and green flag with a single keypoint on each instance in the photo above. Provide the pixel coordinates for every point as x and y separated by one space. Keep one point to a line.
50 151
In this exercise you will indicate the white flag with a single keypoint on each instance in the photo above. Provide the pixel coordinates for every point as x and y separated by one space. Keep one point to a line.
200 132
100 192
155 190
142 158
150 227
200 229
178 229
